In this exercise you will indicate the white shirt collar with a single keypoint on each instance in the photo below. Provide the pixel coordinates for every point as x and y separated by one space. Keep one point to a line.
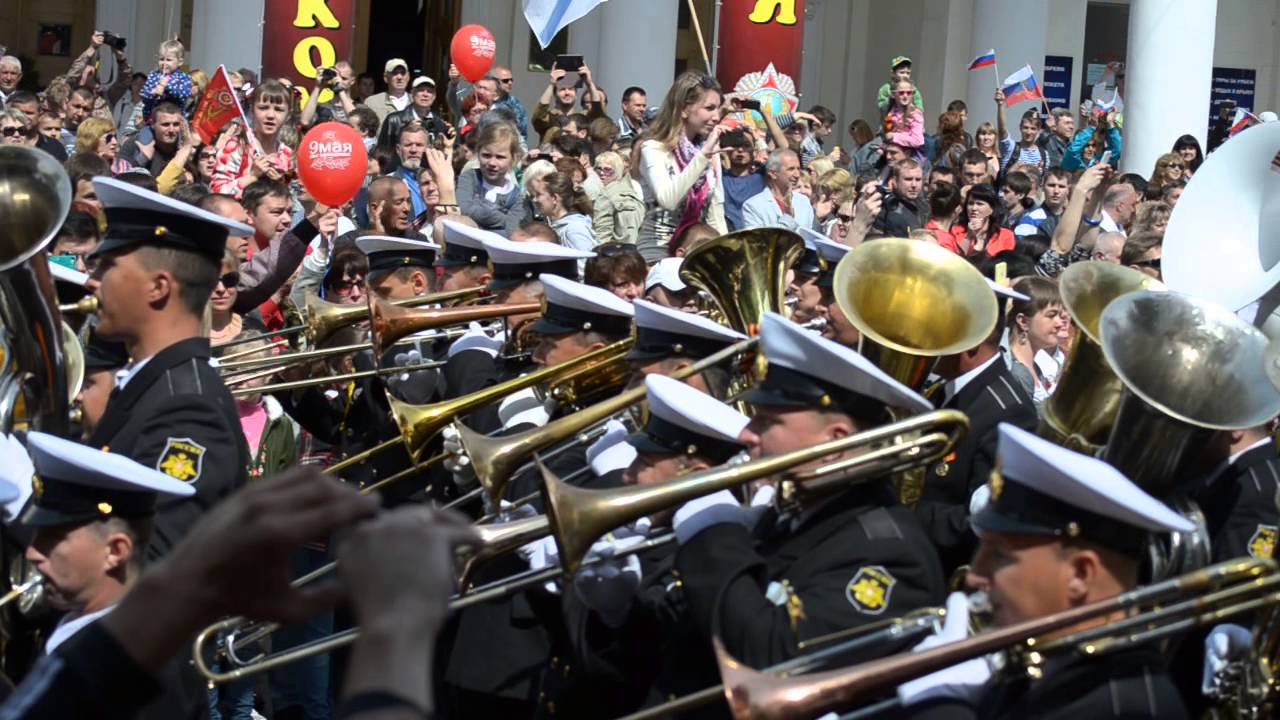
1223 466
69 625
954 387
1108 224
127 373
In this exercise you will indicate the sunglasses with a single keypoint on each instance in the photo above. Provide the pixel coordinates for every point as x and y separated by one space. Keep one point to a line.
12 131
230 280
1177 166
1153 264
846 219
506 81
109 137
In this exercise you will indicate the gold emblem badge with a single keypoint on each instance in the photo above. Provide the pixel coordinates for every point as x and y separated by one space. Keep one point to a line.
996 483
37 486
1262 545
870 589
182 459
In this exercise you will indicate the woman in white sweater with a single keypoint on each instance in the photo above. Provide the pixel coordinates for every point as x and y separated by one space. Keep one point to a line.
679 168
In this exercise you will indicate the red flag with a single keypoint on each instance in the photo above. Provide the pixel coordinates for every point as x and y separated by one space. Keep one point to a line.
218 106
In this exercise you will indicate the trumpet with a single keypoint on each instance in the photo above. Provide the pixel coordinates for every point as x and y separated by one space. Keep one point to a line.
1167 608
577 517
33 586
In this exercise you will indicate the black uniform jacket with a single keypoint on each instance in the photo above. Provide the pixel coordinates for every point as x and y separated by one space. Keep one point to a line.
1128 684
1242 505
853 559
177 416
991 398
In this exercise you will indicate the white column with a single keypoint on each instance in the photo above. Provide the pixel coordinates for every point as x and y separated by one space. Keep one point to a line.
637 47
1168 74
1017 30
228 34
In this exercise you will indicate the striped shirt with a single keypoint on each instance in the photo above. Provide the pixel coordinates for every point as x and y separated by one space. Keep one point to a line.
1014 154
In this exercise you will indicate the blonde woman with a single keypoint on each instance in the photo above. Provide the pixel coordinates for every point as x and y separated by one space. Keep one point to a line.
679 169
98 137
619 210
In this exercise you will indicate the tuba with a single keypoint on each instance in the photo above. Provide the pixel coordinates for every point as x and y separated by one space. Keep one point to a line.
1221 243
745 273
913 302
1080 413
35 195
1190 369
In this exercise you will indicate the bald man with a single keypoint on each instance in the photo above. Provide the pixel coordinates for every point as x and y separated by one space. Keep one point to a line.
1108 247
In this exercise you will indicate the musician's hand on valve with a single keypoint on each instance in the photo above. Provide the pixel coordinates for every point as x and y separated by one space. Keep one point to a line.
608 584
457 462
962 681
1225 643
477 339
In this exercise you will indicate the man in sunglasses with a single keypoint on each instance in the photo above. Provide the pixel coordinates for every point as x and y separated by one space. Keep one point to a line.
157 266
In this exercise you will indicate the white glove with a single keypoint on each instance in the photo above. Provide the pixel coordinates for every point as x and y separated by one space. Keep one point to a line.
1224 643
457 462
606 584
763 496
412 357
701 513
611 452
542 554
475 338
962 681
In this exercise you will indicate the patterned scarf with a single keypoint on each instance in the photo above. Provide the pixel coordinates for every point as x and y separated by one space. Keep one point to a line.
699 197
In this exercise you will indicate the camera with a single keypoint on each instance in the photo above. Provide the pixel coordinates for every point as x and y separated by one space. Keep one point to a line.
327 76
114 41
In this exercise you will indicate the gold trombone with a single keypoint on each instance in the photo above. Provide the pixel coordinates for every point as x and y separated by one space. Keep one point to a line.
323 317
390 331
577 517
419 424
1168 608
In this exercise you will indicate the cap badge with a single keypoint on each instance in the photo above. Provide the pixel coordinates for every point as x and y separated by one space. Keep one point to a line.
104 508
37 486
161 231
1262 545
996 483
870 589
182 459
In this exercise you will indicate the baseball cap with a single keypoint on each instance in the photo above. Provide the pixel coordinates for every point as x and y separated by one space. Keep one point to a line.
394 63
423 80
899 60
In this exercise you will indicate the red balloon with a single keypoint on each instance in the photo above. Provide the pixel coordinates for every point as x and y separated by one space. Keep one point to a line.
332 163
473 50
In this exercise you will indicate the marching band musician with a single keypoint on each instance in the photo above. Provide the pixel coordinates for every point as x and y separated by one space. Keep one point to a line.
102 360
577 319
837 329
667 342
516 271
1239 499
844 557
804 278
92 513
978 383
1060 530
157 266
359 418
633 643
664 287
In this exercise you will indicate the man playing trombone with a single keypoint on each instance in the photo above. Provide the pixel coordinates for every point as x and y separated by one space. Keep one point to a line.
1060 531
832 559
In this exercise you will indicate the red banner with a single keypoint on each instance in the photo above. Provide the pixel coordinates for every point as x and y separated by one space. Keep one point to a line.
301 36
218 106
755 33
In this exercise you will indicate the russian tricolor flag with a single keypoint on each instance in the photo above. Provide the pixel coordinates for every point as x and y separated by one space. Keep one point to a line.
986 59
1021 87
1242 120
